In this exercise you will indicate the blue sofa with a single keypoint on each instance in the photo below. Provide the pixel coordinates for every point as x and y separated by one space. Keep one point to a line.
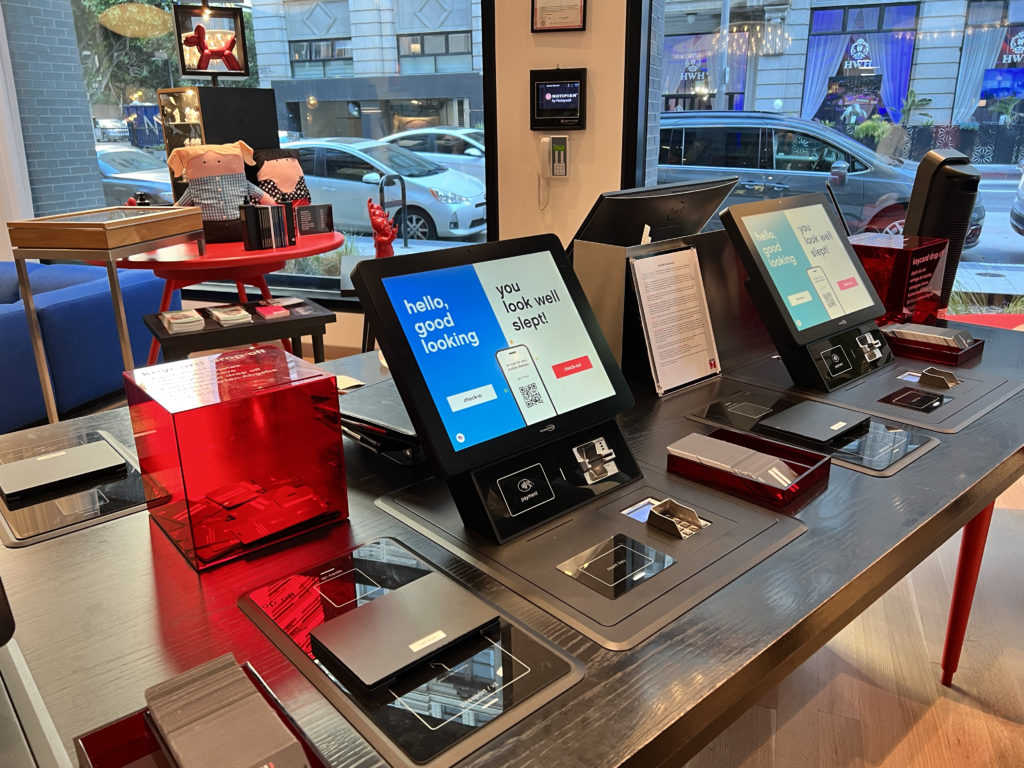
76 318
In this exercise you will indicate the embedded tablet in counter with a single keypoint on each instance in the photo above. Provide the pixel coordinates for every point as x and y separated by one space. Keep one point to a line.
813 294
506 375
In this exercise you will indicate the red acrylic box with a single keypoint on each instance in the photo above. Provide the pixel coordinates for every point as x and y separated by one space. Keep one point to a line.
907 274
811 469
238 450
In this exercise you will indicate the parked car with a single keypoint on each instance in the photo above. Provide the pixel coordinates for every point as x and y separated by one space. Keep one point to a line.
127 171
1017 209
107 129
345 171
779 156
461 149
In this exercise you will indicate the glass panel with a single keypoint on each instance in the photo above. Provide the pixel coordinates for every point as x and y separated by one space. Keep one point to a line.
900 17
984 13
454 63
434 44
447 144
730 148
307 158
307 69
410 46
339 68
871 91
417 65
800 152
339 164
858 19
299 51
343 49
321 49
827 21
460 43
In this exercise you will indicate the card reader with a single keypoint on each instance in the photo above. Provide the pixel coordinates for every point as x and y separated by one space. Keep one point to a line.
35 476
818 422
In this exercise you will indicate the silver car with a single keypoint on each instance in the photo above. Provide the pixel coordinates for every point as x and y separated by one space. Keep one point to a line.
778 156
461 149
345 171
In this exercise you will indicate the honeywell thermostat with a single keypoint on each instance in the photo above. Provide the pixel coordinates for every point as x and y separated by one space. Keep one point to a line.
558 99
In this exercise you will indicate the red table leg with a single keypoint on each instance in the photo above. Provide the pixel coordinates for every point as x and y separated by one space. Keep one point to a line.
972 547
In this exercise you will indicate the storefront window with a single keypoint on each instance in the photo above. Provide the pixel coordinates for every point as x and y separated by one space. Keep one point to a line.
336 88
854 93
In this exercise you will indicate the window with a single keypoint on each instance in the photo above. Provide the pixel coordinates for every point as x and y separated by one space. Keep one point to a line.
448 52
321 58
796 151
339 164
724 148
885 82
307 159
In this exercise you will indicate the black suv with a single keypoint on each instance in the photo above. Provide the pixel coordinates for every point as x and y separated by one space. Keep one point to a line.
778 156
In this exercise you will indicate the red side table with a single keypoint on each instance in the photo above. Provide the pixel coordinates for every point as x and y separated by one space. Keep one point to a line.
182 265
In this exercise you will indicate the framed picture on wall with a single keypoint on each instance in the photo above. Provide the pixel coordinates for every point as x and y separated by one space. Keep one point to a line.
558 15
211 41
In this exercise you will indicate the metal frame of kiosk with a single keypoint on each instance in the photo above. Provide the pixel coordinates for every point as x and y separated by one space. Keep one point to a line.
774 239
591 557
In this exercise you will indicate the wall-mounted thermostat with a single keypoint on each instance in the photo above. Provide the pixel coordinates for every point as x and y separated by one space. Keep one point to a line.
558 99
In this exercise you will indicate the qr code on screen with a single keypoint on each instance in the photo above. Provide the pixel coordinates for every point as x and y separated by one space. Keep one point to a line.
531 395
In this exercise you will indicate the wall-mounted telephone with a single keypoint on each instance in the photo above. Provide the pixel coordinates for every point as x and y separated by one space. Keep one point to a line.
555 156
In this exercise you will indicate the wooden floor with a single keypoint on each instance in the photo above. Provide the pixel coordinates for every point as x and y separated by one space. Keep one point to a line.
872 697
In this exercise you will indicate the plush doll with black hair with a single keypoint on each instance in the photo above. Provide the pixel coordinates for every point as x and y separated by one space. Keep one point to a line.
279 174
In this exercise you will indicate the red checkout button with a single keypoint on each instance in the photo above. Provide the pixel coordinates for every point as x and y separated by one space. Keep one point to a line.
569 367
847 283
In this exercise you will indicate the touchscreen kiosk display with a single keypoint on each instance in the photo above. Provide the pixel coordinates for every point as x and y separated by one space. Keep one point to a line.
500 345
809 264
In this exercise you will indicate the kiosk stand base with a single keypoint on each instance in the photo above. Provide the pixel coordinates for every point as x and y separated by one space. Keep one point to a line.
517 494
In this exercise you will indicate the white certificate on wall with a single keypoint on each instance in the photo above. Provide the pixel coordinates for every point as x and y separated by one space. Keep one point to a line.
558 15
674 312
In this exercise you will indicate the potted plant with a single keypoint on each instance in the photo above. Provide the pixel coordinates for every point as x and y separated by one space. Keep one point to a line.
872 131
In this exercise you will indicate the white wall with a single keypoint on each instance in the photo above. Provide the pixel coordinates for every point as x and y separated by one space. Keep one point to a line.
15 200
595 153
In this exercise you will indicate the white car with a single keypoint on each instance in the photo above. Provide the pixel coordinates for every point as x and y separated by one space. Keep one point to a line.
461 149
345 171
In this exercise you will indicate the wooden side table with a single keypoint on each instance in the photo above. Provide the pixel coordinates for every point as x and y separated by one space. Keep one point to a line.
305 319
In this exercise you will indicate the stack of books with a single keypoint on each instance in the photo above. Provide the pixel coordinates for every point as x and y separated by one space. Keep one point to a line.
272 311
267 226
182 320
230 315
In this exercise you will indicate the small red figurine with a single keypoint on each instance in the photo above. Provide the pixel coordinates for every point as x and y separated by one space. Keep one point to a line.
223 52
383 230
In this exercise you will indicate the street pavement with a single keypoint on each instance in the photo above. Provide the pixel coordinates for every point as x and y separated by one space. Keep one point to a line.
996 264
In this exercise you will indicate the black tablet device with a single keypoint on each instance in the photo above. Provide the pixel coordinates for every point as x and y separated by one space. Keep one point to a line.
795 250
494 348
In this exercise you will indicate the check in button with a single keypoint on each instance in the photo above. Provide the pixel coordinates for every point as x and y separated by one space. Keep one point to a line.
471 397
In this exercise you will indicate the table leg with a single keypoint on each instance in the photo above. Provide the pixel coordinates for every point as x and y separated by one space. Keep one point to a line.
318 347
972 547
243 296
36 336
170 286
296 346
119 318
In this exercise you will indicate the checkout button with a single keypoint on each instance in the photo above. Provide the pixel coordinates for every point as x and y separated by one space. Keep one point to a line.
525 489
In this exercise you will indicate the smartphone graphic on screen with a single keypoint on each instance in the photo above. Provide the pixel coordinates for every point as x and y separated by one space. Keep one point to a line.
825 293
525 384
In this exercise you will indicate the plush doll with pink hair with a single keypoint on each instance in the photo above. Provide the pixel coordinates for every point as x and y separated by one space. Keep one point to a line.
217 184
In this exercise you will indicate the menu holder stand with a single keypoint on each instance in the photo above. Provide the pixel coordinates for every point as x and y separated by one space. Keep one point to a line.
812 470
